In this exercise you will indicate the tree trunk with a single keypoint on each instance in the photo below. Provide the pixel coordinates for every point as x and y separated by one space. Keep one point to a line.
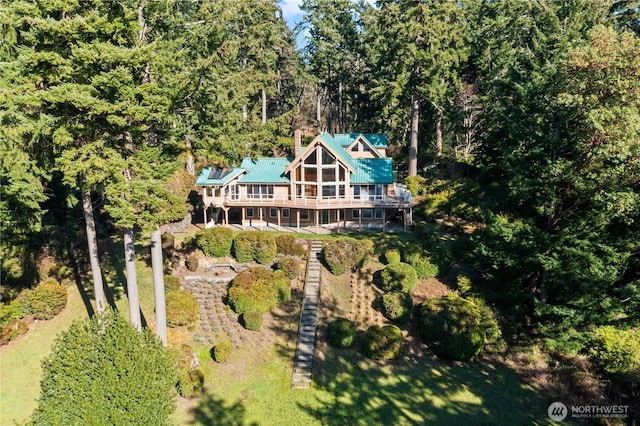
264 106
132 279
158 285
318 110
92 242
413 137
340 126
438 133
190 166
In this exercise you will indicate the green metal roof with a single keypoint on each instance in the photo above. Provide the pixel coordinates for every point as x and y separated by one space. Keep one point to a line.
372 170
377 140
332 143
265 170
212 176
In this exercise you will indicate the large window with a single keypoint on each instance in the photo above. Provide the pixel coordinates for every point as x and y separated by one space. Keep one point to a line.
367 213
328 191
260 191
378 213
304 214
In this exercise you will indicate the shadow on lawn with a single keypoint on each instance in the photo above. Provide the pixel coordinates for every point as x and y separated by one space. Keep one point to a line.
420 389
213 411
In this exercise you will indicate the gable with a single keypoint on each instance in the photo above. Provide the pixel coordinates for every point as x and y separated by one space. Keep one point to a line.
327 142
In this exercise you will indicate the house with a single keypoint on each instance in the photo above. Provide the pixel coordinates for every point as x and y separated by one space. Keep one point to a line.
337 181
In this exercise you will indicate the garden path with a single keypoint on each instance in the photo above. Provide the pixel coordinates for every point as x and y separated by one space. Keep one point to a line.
305 348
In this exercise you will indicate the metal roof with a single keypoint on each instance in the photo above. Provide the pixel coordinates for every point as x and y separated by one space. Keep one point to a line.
265 170
377 140
372 170
337 148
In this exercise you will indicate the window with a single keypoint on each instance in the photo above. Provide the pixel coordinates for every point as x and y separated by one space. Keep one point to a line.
260 191
310 174
285 212
249 211
327 158
304 214
378 213
273 212
355 214
329 175
356 192
208 191
328 191
367 213
311 159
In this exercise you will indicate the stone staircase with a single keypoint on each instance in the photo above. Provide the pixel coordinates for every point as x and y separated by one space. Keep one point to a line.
305 348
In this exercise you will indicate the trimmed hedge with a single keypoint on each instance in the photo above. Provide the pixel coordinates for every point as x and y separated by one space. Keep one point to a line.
383 343
252 320
422 263
249 246
215 242
45 301
171 282
182 308
397 306
392 256
341 333
192 262
257 289
290 266
221 351
398 276
456 328
346 253
287 245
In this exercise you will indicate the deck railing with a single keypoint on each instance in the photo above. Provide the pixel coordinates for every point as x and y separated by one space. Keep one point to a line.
402 201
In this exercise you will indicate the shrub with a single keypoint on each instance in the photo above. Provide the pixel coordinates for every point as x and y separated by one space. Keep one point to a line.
45 301
464 284
13 329
383 343
287 245
341 333
283 286
76 382
456 328
617 351
255 289
192 262
215 242
416 184
398 276
422 264
190 383
397 306
182 308
254 245
10 311
222 350
346 253
171 282
392 256
252 320
290 266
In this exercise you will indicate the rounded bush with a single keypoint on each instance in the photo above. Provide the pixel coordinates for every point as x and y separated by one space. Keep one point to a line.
12 330
190 383
383 343
182 308
397 306
171 282
617 351
45 301
398 276
192 262
287 245
215 242
255 289
252 320
341 333
346 253
464 284
290 266
392 256
455 328
10 311
222 350
422 263
249 246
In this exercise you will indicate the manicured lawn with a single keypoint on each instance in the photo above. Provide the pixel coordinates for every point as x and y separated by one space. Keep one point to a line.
254 386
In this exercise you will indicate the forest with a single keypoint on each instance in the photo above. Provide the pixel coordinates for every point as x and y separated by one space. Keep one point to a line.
518 118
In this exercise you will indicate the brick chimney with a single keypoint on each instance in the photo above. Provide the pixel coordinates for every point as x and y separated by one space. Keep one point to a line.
297 144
